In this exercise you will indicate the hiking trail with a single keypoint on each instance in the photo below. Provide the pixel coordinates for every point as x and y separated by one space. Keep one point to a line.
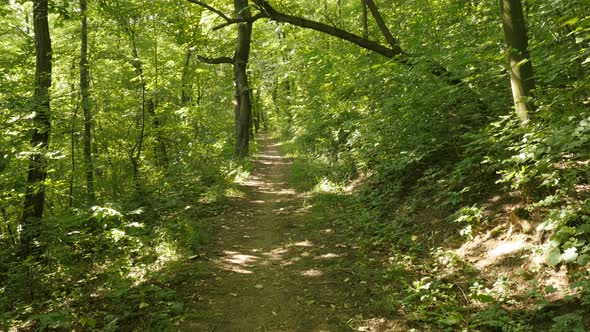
268 272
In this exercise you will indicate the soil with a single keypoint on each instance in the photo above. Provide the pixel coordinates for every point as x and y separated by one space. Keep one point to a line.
270 268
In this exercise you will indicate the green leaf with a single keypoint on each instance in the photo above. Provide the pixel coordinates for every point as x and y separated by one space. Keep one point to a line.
571 21
485 298
90 322
176 308
554 256
453 318
550 289
583 229
583 259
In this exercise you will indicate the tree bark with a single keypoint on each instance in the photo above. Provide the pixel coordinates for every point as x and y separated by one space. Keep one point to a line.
521 68
185 97
242 88
257 111
31 220
160 150
86 107
365 19
135 153
76 102
243 103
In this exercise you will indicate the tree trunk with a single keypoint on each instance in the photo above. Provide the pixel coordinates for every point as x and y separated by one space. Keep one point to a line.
365 19
288 98
85 102
135 154
257 110
37 173
241 57
160 150
185 98
76 102
251 124
521 68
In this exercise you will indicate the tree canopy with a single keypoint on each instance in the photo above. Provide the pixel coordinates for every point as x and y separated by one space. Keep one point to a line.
126 124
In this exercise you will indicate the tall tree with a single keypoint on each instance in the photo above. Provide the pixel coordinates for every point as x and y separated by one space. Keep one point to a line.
244 19
521 67
186 84
37 173
147 106
160 149
86 106
243 102
242 86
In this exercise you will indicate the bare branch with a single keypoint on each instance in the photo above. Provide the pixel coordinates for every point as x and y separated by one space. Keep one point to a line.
215 10
215 61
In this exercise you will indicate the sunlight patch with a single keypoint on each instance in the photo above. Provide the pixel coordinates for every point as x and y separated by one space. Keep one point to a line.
312 273
291 261
279 192
507 248
236 269
327 186
277 254
234 192
328 256
258 201
238 258
167 251
492 251
239 175
305 243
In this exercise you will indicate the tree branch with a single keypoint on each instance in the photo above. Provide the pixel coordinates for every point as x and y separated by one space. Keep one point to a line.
215 61
394 52
272 14
240 20
216 11
394 43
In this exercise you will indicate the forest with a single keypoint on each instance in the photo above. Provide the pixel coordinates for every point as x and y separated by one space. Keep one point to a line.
274 165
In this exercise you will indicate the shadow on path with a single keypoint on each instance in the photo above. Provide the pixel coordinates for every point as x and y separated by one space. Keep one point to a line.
266 272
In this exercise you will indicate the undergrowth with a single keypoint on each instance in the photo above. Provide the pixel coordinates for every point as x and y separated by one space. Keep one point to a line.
116 266
419 214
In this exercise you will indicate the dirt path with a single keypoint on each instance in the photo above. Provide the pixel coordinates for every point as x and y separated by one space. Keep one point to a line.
267 272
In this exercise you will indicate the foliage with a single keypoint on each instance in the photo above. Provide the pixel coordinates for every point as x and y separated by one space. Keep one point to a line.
424 144
100 262
431 157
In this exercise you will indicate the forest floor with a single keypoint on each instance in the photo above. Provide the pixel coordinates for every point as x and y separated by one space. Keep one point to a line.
273 265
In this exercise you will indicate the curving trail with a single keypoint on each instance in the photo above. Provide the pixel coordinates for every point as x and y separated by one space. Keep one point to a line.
269 270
